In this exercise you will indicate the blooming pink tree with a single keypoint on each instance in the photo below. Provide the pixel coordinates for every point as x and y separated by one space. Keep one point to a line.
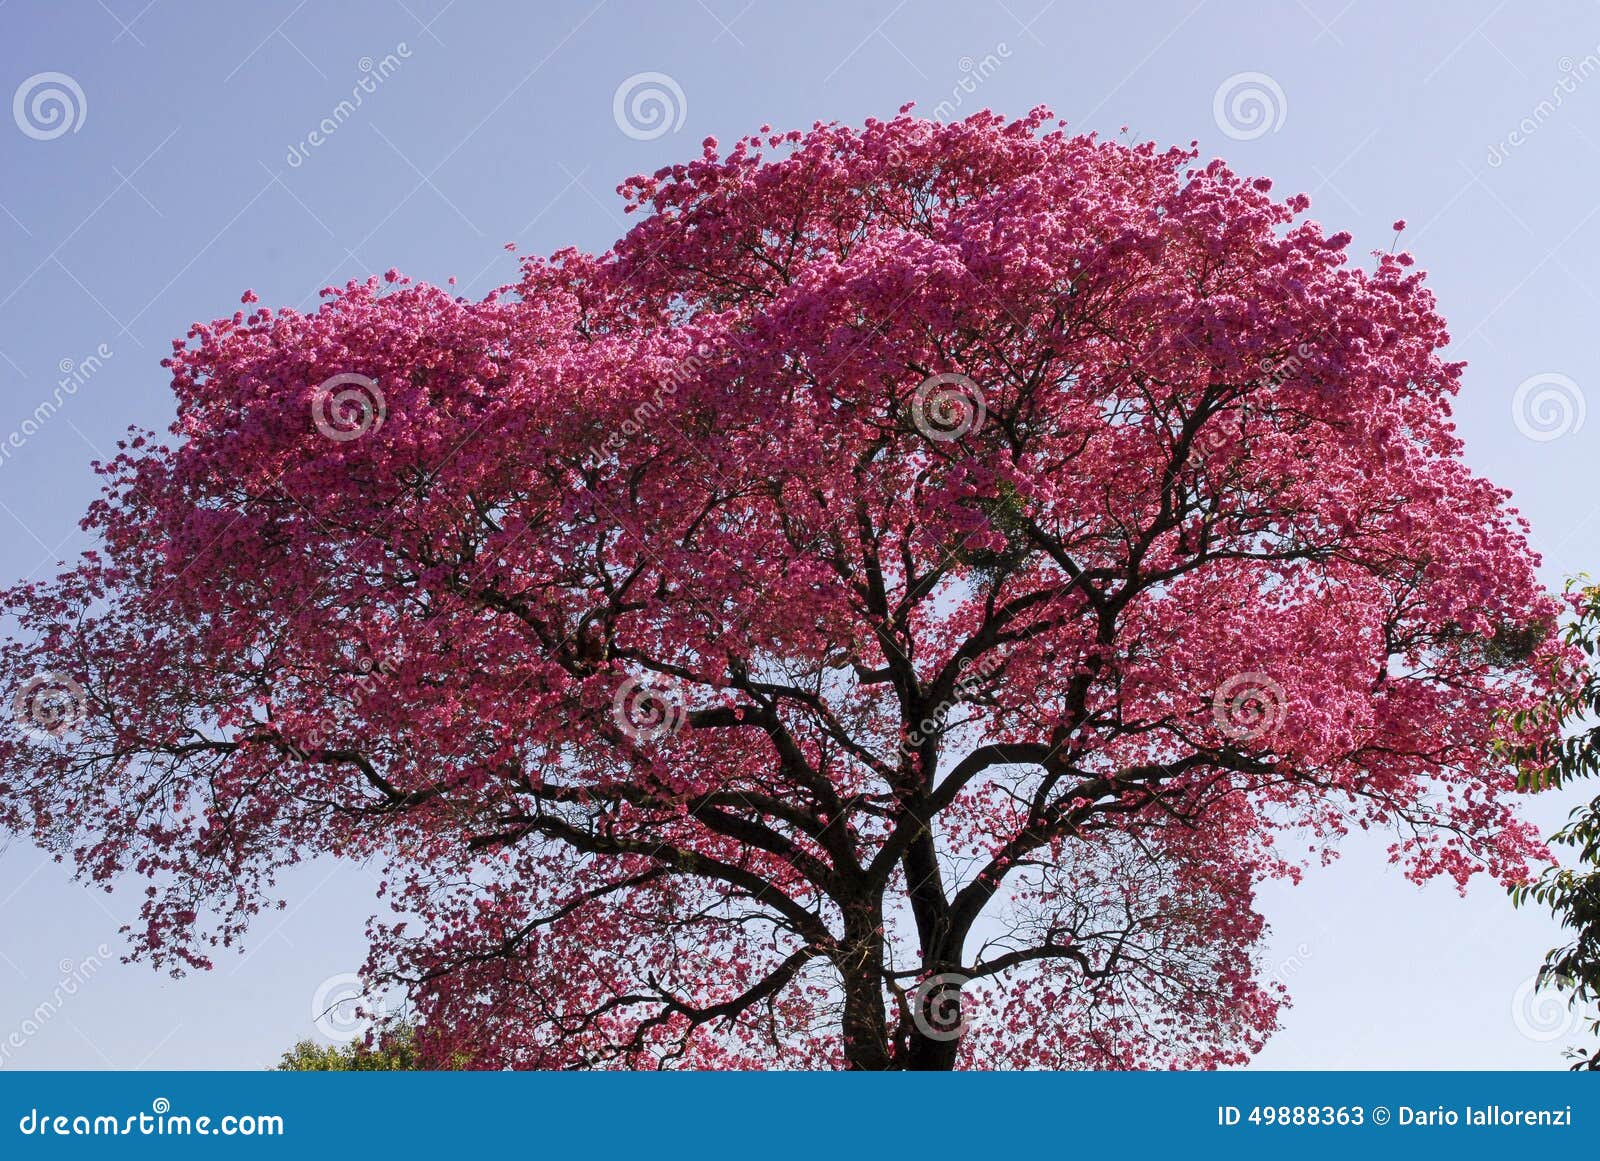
890 611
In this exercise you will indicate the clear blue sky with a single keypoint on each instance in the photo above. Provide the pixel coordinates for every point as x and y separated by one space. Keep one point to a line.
174 191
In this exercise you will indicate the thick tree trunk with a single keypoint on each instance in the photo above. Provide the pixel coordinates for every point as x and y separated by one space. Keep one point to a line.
866 1042
929 1055
866 1033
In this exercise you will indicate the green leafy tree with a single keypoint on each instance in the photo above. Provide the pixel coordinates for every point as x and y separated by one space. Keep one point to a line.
1571 889
393 1049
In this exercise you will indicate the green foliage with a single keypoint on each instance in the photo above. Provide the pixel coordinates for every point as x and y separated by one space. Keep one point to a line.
1511 645
394 1049
1005 513
1571 892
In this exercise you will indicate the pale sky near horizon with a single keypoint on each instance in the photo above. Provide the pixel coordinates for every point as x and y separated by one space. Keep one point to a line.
186 170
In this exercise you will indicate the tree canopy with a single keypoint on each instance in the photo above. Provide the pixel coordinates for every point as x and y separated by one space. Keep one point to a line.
890 610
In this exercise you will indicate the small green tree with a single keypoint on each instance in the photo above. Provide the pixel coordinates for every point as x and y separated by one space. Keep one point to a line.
392 1049
1572 891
